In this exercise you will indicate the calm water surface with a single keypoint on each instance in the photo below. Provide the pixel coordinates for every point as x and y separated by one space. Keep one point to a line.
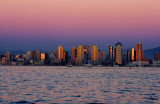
43 85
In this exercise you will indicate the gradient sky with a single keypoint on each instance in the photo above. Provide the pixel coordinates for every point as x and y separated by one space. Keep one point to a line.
44 24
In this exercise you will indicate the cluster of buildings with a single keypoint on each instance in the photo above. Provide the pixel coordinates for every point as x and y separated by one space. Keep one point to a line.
80 55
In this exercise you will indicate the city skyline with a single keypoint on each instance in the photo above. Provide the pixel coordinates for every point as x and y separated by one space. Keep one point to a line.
46 24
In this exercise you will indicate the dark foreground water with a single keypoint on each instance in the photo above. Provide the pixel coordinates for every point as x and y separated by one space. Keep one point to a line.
27 84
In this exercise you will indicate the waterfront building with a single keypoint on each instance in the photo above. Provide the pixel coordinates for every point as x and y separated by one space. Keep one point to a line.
79 55
118 53
110 53
60 53
139 52
94 55
38 55
28 56
43 56
8 58
133 53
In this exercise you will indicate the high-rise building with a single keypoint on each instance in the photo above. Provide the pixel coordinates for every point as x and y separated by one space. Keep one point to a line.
43 56
7 57
60 53
73 55
118 53
139 52
94 55
129 56
156 56
38 55
132 55
28 56
110 53
80 55
86 53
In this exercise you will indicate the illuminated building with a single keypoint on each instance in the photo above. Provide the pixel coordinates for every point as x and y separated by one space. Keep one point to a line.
73 55
7 57
113 54
110 53
139 52
94 55
80 55
132 55
17 56
118 53
60 53
33 56
156 57
43 56
65 56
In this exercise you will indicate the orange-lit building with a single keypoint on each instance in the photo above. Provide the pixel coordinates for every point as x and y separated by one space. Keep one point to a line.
110 53
43 56
118 53
38 55
139 52
94 55
60 53
80 55
132 55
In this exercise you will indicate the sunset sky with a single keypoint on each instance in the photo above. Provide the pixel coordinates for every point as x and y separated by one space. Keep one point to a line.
44 24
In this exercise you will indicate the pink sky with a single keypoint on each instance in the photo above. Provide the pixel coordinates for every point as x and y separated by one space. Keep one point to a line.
94 20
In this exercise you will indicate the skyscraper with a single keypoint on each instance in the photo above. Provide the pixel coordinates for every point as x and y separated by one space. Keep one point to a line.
73 55
94 55
86 53
139 52
110 53
7 57
118 53
132 55
38 55
113 55
0 56
28 56
80 55
60 53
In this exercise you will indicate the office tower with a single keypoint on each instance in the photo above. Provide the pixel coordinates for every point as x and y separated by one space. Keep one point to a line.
86 53
38 55
7 57
156 56
110 53
100 57
94 55
73 55
139 52
80 55
132 55
43 56
60 53
28 56
118 53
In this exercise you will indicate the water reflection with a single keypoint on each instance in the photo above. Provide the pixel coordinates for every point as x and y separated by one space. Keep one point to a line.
31 85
